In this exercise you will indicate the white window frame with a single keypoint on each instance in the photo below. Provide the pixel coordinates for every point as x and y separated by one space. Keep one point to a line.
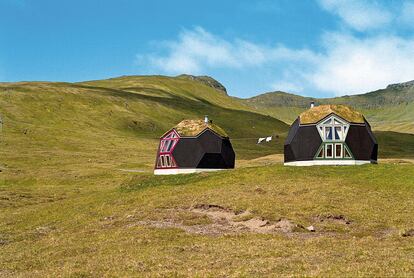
350 155
323 153
326 150
342 150
322 127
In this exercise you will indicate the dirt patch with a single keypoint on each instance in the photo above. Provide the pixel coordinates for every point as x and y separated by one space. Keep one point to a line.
44 230
338 218
259 190
227 221
387 232
238 221
407 233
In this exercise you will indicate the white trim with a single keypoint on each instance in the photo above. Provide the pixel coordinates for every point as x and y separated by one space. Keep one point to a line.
331 126
328 162
176 171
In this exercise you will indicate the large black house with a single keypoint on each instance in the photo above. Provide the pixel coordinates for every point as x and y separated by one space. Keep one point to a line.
330 135
194 146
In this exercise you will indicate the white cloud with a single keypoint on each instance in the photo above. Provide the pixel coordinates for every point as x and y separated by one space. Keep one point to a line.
345 64
195 50
360 15
352 65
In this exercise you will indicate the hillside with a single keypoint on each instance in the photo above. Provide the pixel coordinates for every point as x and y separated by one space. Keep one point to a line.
56 119
126 114
391 108
78 197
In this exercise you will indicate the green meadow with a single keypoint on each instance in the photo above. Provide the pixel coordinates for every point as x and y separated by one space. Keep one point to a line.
78 198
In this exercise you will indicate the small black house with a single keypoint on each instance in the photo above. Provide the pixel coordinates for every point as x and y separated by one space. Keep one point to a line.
330 135
194 146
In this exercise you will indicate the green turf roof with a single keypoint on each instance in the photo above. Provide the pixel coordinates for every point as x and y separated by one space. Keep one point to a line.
317 113
195 127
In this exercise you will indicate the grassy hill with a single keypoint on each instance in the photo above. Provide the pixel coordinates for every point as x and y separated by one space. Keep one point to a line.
78 198
130 113
127 112
391 108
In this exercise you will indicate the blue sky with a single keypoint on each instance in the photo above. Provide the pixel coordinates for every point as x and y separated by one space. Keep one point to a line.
310 47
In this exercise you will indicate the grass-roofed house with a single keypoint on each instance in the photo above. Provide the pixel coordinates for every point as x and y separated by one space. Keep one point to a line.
330 135
194 146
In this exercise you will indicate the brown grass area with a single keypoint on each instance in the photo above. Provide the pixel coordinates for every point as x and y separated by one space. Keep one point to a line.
195 127
319 112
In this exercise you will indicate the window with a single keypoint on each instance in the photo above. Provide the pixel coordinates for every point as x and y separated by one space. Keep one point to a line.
347 153
320 154
333 129
328 133
165 161
167 144
334 151
329 151
338 150
338 132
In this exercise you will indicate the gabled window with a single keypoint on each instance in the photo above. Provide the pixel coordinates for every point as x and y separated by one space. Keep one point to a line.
168 142
333 129
165 158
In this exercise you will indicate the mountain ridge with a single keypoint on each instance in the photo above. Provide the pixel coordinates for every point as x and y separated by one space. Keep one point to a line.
401 93
388 109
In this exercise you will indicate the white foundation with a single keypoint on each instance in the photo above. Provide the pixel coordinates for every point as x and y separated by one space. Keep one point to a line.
327 162
183 171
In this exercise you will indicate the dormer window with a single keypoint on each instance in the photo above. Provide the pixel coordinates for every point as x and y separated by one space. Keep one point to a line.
165 158
333 129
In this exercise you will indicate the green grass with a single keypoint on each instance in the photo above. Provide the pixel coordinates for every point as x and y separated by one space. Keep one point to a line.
66 208
86 226
82 116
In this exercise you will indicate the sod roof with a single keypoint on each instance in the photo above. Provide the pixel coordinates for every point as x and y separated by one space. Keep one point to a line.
318 113
193 128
